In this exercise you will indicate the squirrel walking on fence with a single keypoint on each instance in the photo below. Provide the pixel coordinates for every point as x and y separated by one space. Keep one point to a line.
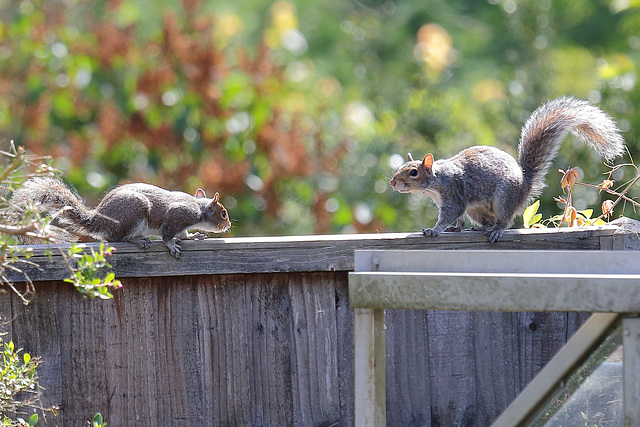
490 185
128 213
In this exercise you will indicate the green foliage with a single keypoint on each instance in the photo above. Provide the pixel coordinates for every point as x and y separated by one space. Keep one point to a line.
531 217
573 217
19 388
24 224
98 421
87 272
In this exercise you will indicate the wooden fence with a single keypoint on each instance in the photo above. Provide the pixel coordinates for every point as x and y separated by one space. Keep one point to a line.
259 332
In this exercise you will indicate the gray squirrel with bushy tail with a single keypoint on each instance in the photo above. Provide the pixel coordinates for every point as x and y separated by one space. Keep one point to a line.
129 212
490 185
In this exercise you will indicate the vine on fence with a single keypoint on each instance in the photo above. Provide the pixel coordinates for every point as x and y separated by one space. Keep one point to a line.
571 217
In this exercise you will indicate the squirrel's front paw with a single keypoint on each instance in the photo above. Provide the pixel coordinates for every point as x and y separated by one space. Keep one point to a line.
144 242
430 232
175 249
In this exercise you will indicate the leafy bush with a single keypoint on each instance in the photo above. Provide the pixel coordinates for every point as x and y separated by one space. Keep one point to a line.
19 388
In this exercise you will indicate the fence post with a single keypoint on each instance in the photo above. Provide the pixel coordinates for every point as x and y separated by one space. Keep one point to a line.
370 356
370 386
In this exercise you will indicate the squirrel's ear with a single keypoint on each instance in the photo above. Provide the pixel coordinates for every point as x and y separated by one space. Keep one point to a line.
409 157
216 197
427 162
200 194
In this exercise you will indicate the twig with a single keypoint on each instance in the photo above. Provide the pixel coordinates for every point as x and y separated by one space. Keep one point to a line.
15 230
612 192
17 161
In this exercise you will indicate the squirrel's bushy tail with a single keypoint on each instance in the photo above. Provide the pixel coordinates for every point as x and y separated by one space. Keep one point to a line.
53 198
544 131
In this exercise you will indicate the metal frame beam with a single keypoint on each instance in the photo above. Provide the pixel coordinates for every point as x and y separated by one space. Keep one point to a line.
587 281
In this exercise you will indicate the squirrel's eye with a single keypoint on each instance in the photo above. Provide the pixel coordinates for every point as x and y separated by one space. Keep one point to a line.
224 214
413 172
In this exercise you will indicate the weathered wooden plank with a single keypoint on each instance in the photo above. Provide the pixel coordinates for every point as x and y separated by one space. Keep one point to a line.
133 382
408 374
496 362
271 348
452 381
226 351
315 371
179 366
305 253
6 314
344 349
38 329
82 321
542 335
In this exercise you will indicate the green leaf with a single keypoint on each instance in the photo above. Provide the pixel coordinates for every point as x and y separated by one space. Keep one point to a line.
586 213
536 219
97 420
33 420
26 357
529 214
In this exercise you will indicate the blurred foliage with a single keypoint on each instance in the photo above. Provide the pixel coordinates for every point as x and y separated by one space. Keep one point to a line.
297 112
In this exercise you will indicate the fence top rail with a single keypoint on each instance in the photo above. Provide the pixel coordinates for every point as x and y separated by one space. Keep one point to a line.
310 253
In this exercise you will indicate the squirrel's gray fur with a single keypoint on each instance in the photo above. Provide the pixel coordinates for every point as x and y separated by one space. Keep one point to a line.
130 212
489 184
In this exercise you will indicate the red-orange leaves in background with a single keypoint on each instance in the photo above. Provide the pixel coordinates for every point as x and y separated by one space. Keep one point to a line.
112 42
217 174
110 123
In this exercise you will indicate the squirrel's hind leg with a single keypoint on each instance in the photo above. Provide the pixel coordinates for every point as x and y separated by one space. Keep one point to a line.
174 247
142 242
494 233
458 226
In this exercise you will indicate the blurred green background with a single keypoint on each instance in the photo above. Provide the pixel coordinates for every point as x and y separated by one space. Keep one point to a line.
298 112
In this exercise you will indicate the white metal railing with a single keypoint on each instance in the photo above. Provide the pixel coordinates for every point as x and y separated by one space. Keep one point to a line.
602 282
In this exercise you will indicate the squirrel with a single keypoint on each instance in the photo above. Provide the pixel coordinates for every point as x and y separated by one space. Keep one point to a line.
490 185
128 213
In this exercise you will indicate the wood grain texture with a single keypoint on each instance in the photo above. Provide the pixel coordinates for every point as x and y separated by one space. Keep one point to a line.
269 350
213 340
312 253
